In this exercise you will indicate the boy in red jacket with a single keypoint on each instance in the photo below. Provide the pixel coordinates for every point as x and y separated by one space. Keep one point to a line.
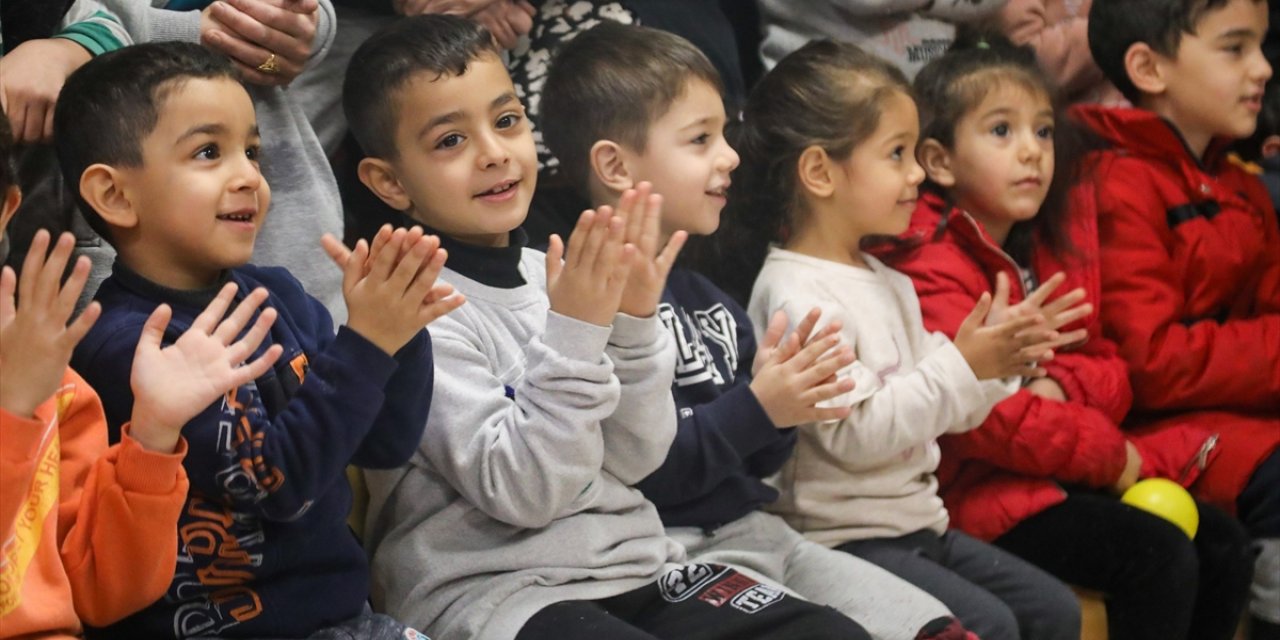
87 532
1190 250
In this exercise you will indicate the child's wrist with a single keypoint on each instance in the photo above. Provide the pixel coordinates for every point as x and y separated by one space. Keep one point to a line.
19 402
151 433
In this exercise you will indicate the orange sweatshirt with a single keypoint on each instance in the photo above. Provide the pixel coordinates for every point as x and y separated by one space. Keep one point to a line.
86 532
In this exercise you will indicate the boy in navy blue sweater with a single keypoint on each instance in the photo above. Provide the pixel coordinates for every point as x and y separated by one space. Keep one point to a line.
627 106
163 143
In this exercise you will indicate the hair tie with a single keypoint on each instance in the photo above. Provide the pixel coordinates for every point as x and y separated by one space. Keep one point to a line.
982 44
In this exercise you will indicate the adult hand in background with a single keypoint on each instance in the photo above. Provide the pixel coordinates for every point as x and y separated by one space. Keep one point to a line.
31 77
507 20
269 41
464 8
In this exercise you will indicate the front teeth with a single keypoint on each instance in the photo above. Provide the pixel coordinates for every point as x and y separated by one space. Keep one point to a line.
499 189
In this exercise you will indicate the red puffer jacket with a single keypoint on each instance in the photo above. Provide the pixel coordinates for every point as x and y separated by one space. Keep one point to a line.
1190 263
1010 468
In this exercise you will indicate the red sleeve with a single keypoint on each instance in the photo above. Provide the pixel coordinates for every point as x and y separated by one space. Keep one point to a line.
1095 377
1177 366
1025 433
117 515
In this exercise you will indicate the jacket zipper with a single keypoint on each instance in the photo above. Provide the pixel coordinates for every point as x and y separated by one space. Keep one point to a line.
1200 460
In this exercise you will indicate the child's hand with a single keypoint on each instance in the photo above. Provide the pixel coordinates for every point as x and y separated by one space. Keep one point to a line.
1013 347
790 385
642 213
588 284
1057 314
391 290
172 385
35 341
803 335
1047 387
1132 469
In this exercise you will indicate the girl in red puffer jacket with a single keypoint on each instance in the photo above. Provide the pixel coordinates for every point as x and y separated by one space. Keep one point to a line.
1040 477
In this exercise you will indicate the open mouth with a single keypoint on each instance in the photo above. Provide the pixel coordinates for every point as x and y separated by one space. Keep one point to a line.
239 216
498 190
719 192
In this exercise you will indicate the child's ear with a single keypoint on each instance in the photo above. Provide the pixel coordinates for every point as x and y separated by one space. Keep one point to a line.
609 164
381 178
936 162
1145 68
1271 146
106 189
816 172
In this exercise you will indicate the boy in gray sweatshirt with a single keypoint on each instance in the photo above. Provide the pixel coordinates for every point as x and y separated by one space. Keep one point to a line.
517 517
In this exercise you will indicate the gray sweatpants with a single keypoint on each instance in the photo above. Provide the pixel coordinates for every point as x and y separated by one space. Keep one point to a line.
765 547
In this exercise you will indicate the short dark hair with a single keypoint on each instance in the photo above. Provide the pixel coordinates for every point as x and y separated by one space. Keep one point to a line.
1116 25
437 44
610 83
8 172
109 105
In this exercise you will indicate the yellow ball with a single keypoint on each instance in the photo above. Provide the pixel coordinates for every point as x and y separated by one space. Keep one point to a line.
1166 499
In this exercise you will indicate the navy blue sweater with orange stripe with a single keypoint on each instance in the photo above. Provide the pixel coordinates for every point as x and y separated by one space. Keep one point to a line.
263 545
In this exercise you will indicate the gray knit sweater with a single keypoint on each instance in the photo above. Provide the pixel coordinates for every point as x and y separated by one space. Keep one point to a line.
304 194
520 494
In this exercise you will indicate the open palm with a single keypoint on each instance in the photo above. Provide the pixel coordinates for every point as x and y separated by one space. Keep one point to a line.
172 384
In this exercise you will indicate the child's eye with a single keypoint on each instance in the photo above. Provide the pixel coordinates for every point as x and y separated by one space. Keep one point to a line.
450 141
702 139
1235 49
507 120
1001 129
897 152
208 152
1045 132
253 152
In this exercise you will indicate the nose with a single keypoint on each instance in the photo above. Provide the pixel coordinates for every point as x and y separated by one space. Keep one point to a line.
491 151
1028 147
728 159
916 174
248 176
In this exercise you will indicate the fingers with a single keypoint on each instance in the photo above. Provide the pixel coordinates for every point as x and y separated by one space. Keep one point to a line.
601 230
828 415
73 287
824 392
441 306
228 329
1000 301
275 30
425 279
1047 287
207 321
50 277
667 259
31 266
402 276
8 286
244 347
153 330
255 369
609 257
385 261
810 353
1071 337
555 257
337 251
827 365
977 316
775 330
80 327
578 238
804 330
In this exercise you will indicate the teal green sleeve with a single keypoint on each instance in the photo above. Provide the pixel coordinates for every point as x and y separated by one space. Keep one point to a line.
91 26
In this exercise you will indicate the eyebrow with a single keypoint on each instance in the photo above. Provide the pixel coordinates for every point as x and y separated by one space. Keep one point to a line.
211 129
1007 110
456 115
698 123
1239 32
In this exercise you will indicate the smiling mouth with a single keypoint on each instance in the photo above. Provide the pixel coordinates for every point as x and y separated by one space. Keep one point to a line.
500 189
720 192
236 217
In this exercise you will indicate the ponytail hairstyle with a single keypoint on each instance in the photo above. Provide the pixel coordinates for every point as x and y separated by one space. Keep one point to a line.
825 94
951 86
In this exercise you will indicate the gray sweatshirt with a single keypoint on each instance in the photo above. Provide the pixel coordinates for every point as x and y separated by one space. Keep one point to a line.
304 194
907 33
520 494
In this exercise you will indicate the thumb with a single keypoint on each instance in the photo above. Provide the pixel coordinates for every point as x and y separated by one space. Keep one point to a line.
153 330
977 316
336 250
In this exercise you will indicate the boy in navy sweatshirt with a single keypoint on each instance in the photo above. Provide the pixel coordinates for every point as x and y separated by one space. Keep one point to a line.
163 143
626 104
